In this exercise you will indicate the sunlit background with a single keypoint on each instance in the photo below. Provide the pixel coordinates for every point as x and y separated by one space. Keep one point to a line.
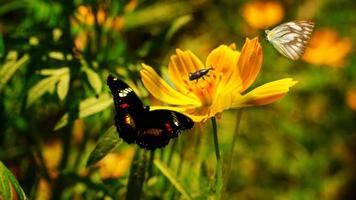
55 104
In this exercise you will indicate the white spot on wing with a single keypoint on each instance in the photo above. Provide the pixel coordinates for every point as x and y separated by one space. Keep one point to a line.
295 26
124 92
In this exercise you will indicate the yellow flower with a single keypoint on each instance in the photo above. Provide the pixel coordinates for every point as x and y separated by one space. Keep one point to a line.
52 152
221 88
115 165
84 15
327 48
84 20
351 99
262 14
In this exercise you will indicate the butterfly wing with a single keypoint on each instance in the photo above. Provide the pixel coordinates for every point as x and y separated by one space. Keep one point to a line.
128 109
291 38
135 123
159 126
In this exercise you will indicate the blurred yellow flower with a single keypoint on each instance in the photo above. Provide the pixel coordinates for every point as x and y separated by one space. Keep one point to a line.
52 154
85 15
221 88
262 14
43 190
80 41
351 99
327 48
115 165
78 130
84 19
130 6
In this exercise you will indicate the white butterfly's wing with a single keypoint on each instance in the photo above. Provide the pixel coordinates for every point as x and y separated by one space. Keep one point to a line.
291 38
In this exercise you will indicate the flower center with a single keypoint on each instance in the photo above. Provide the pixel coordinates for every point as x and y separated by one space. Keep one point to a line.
204 88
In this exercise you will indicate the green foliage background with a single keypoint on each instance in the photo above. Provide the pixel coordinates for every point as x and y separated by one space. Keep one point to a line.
302 147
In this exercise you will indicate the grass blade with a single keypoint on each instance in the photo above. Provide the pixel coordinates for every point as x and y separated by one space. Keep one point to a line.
5 188
137 176
172 178
6 178
106 144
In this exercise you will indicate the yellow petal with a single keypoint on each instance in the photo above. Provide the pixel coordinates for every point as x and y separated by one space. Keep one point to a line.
265 94
162 91
223 59
232 46
179 67
250 62
184 110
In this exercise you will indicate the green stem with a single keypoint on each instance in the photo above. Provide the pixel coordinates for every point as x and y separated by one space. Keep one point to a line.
216 141
150 164
137 175
71 179
231 153
236 131
218 173
170 155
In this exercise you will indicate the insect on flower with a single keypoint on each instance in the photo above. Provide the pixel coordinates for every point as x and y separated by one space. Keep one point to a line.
199 74
291 38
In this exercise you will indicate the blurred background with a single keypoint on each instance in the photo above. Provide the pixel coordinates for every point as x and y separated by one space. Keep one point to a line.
54 102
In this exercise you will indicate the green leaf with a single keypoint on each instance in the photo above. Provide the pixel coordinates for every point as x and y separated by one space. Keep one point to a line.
204 180
12 55
172 178
63 87
49 72
219 180
7 178
11 6
9 68
88 107
2 46
56 55
46 85
107 142
5 188
137 176
177 25
94 79
161 12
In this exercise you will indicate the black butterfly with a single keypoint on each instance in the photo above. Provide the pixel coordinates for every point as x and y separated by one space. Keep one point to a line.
135 123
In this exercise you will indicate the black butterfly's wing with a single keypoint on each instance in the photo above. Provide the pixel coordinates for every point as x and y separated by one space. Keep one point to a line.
135 123
129 109
159 126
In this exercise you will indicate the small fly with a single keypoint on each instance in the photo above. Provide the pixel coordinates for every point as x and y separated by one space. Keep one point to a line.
199 74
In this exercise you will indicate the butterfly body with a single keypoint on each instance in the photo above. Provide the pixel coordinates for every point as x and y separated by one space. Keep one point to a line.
135 123
291 38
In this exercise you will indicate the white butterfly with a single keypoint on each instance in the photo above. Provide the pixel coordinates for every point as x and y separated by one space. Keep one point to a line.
291 38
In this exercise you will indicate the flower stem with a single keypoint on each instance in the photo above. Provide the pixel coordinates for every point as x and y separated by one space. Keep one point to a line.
236 131
227 166
216 141
218 173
